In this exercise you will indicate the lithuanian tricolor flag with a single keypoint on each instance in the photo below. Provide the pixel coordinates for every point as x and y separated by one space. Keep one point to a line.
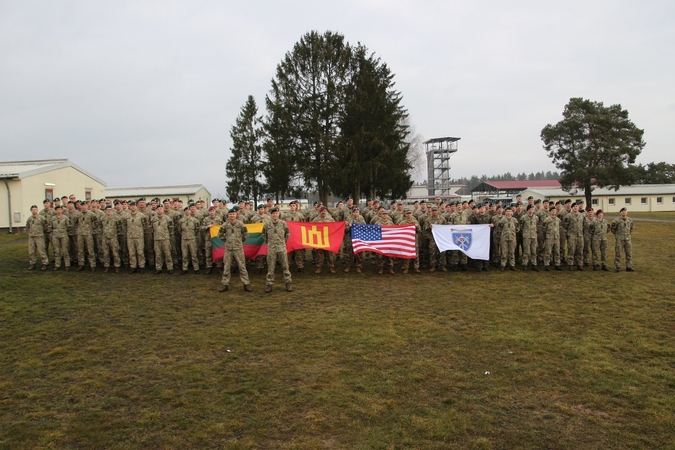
254 245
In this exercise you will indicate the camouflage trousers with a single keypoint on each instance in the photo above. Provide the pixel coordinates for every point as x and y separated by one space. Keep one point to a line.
623 246
111 247
541 247
325 255
349 257
136 252
37 245
599 248
124 251
188 249
61 251
238 256
163 254
529 251
72 248
149 248
434 255
98 246
563 244
85 242
507 248
575 250
49 241
588 249
552 251
456 257
272 258
208 255
298 257
494 249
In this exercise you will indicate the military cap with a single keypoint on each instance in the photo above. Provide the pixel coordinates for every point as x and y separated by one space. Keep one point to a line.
474 206
589 208
519 204
274 210
261 206
33 206
231 210
499 206
537 201
623 209
598 212
58 207
212 208
269 198
434 207
423 201
513 204
322 209
156 199
349 197
558 202
131 202
464 202
317 202
107 207
547 200
116 202
124 201
369 199
166 200
529 207
552 208
142 199
65 196
355 208
235 208
530 198
186 208
568 201
408 210
46 201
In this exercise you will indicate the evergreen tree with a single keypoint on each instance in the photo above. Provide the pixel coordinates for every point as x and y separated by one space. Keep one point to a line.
244 168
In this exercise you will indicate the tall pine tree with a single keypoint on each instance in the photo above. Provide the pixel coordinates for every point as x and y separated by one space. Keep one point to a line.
244 168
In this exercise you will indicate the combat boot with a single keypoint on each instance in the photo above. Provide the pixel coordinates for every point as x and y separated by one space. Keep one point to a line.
209 271
31 267
444 269
346 269
432 270
224 288
247 288
331 269
558 268
106 269
318 270
358 270
380 271
117 270
580 268
268 289
596 267
288 287
44 267
417 271
605 268
535 268
80 268
405 271
547 268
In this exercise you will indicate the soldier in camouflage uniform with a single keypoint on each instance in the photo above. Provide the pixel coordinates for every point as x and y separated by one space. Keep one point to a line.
421 216
408 218
36 225
135 238
348 249
326 255
528 225
598 231
189 228
589 218
148 241
59 228
496 234
551 228
573 223
97 231
563 211
434 254
87 220
73 215
109 225
509 227
276 233
622 227
233 233
482 217
296 256
162 232
122 232
47 213
206 224
458 260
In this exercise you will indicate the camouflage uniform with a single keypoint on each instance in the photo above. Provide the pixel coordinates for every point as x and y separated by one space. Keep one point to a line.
496 234
97 233
259 260
122 236
85 240
588 238
135 239
574 227
74 216
326 255
347 247
456 258
509 227
551 228
60 240
622 229
561 214
110 244
36 226
416 262
275 234
148 241
434 254
162 232
189 228
47 214
599 230
206 224
528 226
383 260
234 235
296 256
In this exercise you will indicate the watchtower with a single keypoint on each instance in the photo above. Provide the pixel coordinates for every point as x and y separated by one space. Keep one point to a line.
438 152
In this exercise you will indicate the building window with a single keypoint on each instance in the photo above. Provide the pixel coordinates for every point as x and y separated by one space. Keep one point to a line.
643 200
594 202
611 201
659 200
627 200
87 195
49 194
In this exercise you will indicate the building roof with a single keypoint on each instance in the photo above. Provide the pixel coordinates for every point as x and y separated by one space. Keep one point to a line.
24 169
144 191
635 189
441 139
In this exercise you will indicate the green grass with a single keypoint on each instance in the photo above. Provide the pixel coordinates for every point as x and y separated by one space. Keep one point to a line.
575 359
7 237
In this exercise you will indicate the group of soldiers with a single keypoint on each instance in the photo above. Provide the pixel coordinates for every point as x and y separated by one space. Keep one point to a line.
162 234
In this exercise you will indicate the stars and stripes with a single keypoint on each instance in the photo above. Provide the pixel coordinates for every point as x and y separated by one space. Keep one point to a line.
397 241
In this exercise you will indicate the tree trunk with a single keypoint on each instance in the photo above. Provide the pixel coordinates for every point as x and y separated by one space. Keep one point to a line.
588 189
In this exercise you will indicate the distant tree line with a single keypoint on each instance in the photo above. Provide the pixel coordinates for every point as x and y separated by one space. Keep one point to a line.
475 180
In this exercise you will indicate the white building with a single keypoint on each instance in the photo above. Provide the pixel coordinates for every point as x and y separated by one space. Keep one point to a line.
183 192
26 183
638 197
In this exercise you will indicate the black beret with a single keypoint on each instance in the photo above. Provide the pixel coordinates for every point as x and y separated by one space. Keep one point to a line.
57 207
274 210
529 207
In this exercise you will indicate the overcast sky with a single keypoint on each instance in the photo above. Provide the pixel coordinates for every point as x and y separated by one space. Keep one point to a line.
143 93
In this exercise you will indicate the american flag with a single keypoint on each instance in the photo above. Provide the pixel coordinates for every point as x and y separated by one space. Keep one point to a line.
389 240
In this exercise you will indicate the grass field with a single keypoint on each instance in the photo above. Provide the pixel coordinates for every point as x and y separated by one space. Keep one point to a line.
582 360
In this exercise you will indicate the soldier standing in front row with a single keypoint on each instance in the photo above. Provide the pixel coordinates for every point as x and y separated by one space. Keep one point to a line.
233 233
162 232
135 235
622 227
551 229
110 245
599 229
36 226
189 229
275 233
509 228
60 224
